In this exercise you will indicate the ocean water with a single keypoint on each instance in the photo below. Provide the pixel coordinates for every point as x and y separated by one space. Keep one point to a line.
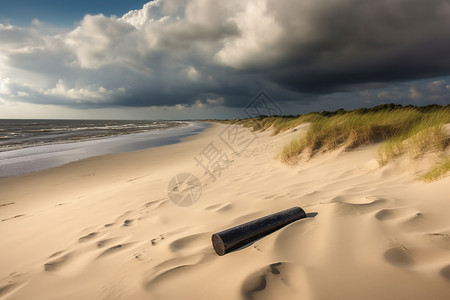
17 134
28 146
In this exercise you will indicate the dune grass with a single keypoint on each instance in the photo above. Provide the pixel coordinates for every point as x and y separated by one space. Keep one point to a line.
439 171
400 129
426 134
263 123
277 123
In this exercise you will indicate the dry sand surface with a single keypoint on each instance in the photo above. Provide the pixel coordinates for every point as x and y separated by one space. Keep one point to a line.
105 228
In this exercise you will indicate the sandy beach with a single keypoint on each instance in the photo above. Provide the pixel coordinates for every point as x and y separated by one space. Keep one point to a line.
106 228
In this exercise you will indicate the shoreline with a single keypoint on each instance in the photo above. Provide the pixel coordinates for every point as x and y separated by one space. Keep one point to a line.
104 227
29 160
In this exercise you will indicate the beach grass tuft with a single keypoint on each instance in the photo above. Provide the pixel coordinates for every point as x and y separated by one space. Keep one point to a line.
439 171
400 130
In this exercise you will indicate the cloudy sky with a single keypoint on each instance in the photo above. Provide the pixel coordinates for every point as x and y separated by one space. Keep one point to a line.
173 59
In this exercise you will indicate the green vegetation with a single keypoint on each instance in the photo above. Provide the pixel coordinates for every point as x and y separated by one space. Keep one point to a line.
438 171
278 123
400 129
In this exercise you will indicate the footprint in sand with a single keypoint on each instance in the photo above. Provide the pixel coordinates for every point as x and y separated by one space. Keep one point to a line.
115 249
106 242
410 219
445 272
57 263
148 207
129 222
143 254
57 253
88 237
156 240
399 256
258 281
123 216
125 223
12 218
360 205
390 214
279 278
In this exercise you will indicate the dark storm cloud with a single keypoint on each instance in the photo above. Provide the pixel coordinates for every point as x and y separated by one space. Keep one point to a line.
332 45
203 53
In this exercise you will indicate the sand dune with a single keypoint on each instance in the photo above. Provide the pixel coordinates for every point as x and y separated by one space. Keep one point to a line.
105 228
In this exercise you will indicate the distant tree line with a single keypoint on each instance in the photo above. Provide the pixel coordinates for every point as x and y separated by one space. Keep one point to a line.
378 108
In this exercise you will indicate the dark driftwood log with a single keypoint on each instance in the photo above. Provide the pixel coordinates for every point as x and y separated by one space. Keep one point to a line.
240 235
